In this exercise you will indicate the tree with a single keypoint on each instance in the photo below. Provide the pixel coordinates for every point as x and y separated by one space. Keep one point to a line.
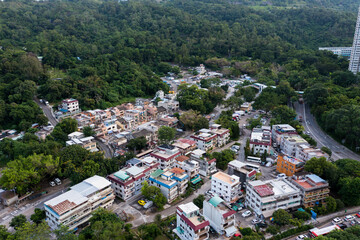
137 144
330 204
302 215
32 231
18 221
350 187
199 201
267 101
249 94
166 134
283 114
193 120
273 229
326 150
282 217
88 131
38 216
317 165
4 234
154 194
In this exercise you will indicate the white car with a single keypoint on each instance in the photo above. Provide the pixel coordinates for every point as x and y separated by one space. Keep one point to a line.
349 218
255 221
57 181
245 214
337 220
281 175
52 184
301 237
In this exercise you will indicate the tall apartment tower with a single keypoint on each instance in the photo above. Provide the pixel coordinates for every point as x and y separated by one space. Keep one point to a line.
355 53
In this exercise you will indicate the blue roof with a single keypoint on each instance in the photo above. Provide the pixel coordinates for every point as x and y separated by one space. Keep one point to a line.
133 161
215 201
63 110
315 178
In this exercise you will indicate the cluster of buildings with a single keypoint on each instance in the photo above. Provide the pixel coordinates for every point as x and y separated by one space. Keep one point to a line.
208 139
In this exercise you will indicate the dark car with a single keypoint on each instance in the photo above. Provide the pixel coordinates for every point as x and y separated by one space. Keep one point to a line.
342 226
261 225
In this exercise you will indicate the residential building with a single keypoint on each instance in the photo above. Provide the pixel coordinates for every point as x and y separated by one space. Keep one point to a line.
191 167
185 145
246 106
207 166
223 134
355 51
306 152
289 144
241 170
226 186
205 139
280 130
260 140
314 190
190 224
128 181
289 165
77 138
69 106
74 207
166 154
171 183
340 51
220 216
265 197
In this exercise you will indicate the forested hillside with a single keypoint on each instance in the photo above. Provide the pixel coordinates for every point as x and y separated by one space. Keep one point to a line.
104 53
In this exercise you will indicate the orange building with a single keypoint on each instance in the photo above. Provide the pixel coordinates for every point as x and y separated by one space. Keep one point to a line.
289 165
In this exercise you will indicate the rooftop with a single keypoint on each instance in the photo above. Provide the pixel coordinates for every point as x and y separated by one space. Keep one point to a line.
226 178
188 208
182 158
292 160
283 128
273 188
310 181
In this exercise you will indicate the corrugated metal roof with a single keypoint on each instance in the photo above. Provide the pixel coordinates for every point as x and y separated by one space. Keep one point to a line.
215 201
157 173
122 175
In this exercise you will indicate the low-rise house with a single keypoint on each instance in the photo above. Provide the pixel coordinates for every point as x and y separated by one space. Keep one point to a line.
168 121
289 165
289 144
182 178
260 140
165 155
69 106
128 181
306 152
191 167
220 216
185 145
74 208
77 138
190 224
246 106
280 130
265 197
168 186
226 186
314 190
205 139
241 170
223 134
207 166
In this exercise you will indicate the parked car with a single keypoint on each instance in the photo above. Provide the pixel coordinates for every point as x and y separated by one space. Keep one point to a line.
245 214
342 226
52 184
353 222
358 215
255 221
148 204
301 237
141 202
57 181
281 175
349 218
337 221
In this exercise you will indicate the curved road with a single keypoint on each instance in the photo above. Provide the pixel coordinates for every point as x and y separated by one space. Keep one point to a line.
47 111
338 150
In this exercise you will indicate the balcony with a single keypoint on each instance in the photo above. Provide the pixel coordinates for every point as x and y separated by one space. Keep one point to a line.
205 236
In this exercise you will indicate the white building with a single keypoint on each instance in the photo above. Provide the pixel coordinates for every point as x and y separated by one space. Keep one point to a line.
128 181
74 207
77 138
70 105
289 144
220 216
205 139
166 155
280 130
265 197
260 140
223 134
226 186
207 166
340 51
190 224
306 152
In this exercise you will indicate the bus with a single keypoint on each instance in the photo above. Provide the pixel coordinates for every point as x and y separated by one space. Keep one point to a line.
316 232
253 166
253 159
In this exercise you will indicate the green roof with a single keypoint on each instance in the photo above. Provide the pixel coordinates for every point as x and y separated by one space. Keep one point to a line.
195 180
215 201
122 175
157 173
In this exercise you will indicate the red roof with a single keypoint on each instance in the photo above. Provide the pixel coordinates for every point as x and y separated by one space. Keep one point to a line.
182 158
252 173
188 141
225 215
212 160
264 190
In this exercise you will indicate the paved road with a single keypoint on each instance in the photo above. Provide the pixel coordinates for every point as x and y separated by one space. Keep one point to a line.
338 150
47 111
108 152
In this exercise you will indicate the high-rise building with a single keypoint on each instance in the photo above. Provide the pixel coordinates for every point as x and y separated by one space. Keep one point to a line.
355 53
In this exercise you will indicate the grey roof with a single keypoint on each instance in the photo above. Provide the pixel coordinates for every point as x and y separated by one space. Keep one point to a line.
133 161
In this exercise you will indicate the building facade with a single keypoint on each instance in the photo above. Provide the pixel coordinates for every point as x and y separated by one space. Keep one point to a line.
289 165
74 207
166 155
226 186
314 190
207 166
190 224
355 52
260 140
265 197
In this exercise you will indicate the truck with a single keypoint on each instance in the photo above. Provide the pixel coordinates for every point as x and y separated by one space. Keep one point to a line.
300 118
